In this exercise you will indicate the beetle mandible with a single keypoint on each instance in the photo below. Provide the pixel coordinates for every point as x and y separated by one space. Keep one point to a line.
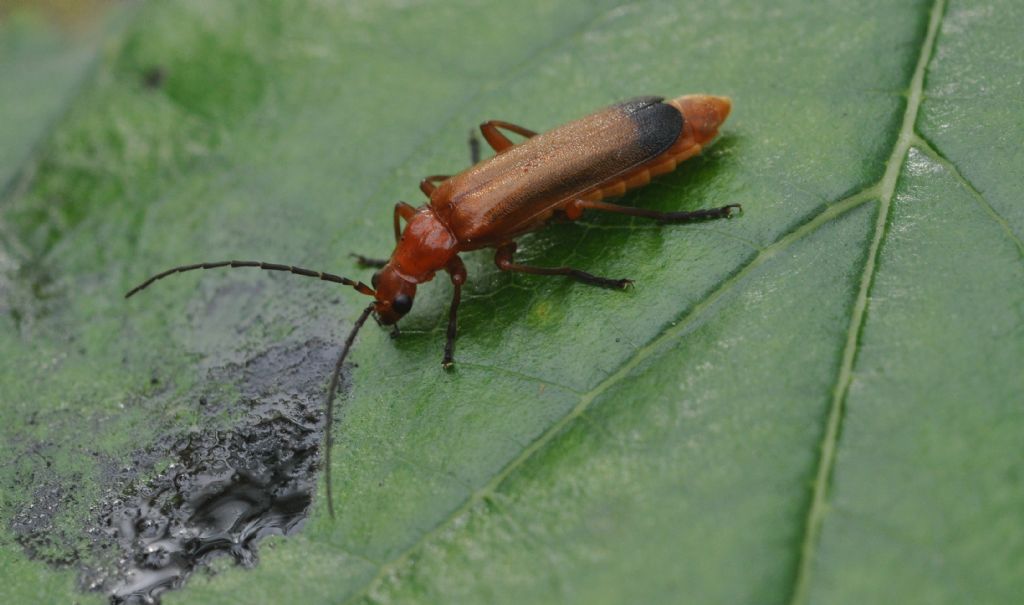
564 172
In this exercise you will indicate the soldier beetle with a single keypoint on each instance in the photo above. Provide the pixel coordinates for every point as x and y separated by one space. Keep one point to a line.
563 172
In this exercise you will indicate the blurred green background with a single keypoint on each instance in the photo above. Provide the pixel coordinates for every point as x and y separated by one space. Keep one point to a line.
820 401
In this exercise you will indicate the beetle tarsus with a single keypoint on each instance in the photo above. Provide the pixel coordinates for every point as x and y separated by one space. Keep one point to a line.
601 282
458 276
708 214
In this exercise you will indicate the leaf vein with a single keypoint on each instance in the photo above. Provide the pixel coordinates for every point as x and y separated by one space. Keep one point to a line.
520 375
928 147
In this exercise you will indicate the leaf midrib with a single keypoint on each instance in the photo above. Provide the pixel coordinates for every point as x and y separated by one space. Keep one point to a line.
886 188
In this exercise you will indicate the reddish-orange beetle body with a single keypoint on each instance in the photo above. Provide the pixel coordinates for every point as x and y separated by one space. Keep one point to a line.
566 170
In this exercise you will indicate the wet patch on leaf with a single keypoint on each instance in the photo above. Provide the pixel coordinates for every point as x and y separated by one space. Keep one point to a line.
173 507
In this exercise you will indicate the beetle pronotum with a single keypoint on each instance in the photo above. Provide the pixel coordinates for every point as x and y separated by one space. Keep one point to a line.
564 172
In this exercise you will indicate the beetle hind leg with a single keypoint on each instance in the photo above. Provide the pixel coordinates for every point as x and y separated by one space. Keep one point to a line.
504 258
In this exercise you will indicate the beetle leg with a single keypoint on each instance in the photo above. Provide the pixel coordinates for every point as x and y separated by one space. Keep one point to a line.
457 271
504 259
666 217
402 210
474 148
429 184
365 261
498 141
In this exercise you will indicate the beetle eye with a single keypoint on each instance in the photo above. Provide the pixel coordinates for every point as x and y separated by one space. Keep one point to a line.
401 304
375 279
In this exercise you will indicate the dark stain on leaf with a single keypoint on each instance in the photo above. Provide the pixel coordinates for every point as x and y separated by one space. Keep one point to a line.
176 505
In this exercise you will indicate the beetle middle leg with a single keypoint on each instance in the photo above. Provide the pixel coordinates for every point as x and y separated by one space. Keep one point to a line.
498 141
429 184
504 258
575 209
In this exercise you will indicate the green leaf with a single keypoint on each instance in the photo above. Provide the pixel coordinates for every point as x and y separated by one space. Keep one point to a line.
816 402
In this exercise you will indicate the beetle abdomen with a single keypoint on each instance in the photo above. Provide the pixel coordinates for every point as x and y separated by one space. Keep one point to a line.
512 191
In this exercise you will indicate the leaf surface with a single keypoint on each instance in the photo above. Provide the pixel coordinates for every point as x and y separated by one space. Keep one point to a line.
815 402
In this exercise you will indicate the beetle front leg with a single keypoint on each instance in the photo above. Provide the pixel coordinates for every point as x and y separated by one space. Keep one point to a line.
402 210
457 271
504 259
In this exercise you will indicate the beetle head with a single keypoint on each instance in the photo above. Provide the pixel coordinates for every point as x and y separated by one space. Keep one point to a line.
394 294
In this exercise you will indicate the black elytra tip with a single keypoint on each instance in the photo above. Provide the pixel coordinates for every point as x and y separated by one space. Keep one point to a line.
658 125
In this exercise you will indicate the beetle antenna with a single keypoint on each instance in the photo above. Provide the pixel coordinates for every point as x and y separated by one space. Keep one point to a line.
358 285
332 389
